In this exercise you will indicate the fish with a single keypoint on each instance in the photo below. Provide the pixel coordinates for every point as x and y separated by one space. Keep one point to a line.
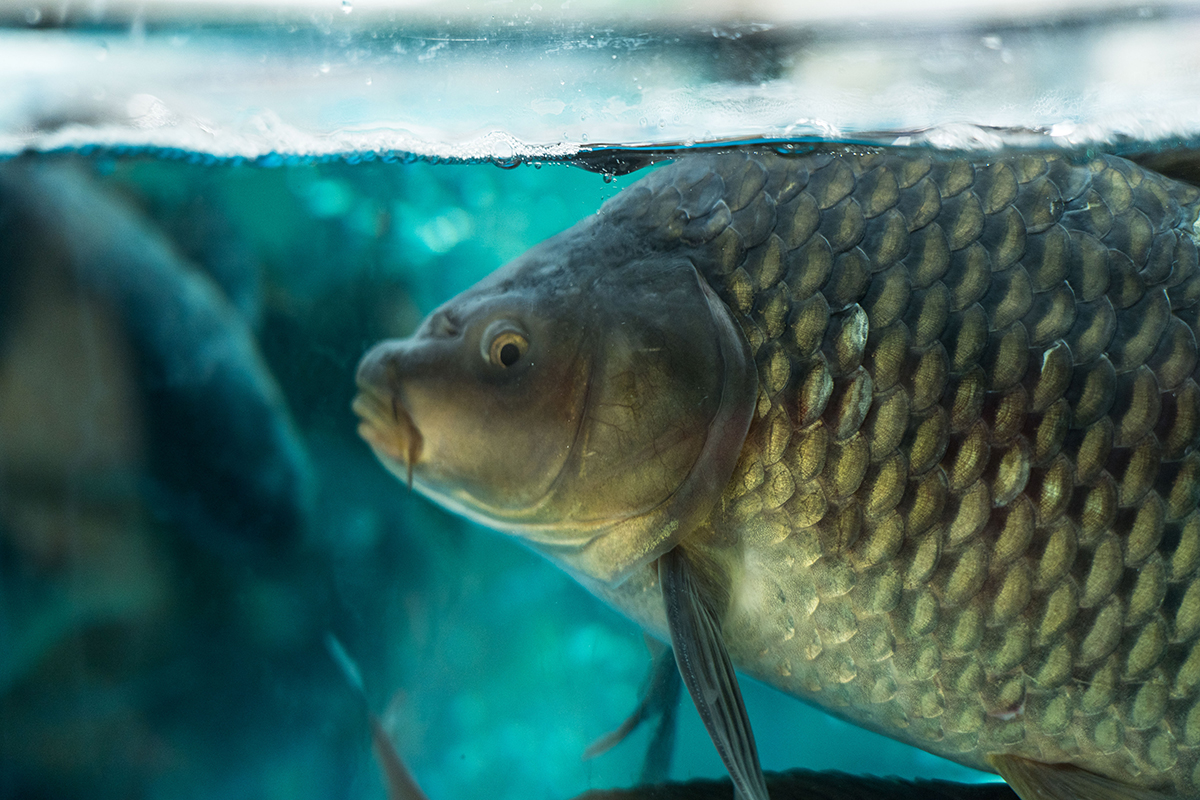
909 435
225 461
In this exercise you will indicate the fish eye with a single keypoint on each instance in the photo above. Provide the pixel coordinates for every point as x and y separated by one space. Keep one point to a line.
506 348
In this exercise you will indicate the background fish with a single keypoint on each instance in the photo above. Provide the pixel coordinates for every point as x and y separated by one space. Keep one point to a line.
216 416
909 436
152 481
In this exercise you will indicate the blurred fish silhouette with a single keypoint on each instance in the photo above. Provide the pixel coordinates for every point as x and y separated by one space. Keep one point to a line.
225 461
134 406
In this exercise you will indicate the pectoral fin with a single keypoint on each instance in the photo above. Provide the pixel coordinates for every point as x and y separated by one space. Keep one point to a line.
708 673
1034 780
660 698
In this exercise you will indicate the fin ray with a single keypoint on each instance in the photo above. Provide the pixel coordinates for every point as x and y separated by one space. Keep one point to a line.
708 674
659 698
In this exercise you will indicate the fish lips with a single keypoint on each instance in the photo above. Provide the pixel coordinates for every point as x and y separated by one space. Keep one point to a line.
385 424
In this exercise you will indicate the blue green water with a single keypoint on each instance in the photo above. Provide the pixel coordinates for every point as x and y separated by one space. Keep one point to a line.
166 638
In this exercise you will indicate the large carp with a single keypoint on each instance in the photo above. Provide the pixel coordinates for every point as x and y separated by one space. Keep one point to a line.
912 436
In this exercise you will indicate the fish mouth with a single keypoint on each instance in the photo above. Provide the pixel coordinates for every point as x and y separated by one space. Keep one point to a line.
388 428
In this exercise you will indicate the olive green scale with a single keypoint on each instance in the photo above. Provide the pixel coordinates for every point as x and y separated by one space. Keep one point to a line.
966 511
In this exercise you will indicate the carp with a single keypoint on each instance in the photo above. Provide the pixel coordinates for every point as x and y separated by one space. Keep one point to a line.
909 435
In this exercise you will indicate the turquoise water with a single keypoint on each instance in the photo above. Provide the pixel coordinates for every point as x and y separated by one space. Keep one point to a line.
158 644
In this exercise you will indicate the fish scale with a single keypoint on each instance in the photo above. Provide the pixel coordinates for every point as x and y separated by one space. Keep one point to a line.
966 510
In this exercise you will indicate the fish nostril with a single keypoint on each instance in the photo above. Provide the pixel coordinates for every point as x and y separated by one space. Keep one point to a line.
443 325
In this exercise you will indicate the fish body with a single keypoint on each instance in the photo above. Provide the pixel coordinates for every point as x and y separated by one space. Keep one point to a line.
945 479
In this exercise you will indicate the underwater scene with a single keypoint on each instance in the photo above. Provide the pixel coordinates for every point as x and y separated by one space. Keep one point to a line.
870 370
190 514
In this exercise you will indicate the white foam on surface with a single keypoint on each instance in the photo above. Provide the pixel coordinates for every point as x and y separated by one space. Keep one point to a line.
337 86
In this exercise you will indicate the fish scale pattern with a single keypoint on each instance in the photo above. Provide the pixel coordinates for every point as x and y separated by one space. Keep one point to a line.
966 511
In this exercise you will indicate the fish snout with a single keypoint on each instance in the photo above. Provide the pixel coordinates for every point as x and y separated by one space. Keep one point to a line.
377 369
385 424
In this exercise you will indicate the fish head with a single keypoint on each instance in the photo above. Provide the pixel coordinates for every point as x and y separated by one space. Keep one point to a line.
585 399
480 406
